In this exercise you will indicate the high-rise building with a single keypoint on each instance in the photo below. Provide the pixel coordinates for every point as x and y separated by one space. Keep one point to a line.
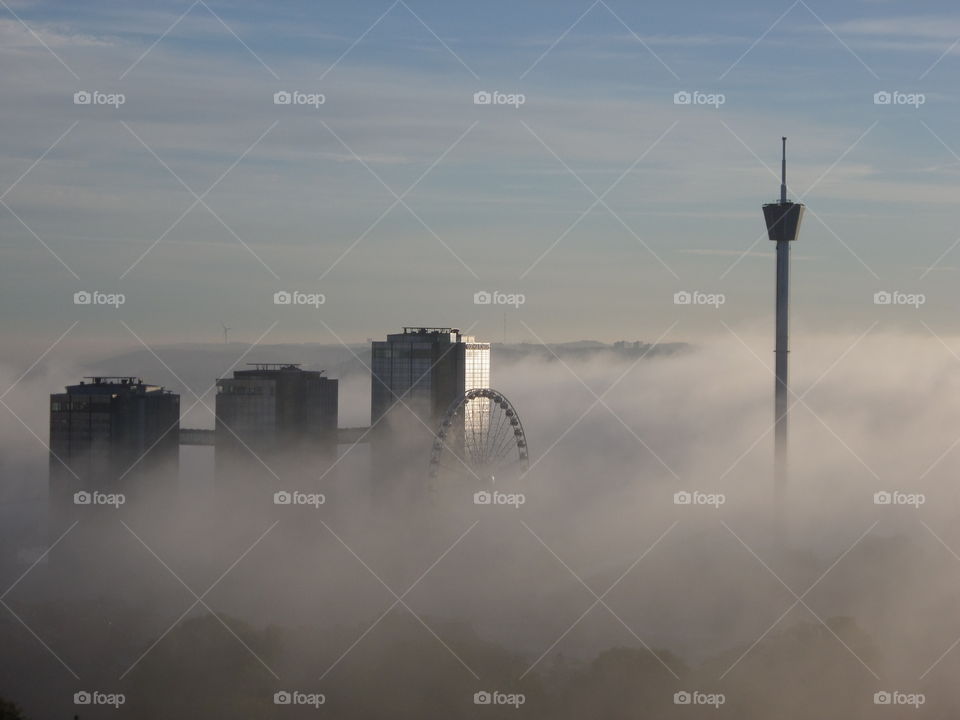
112 435
417 375
426 369
274 419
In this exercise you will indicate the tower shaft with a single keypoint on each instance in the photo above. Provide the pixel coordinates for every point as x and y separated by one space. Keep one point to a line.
781 372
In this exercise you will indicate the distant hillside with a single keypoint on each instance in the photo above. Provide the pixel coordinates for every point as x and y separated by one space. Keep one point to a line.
199 365
585 349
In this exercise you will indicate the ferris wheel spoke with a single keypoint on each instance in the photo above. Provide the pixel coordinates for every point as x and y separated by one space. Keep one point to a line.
506 444
496 446
484 420
491 437
479 434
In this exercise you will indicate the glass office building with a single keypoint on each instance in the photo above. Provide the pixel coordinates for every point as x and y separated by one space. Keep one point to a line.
426 369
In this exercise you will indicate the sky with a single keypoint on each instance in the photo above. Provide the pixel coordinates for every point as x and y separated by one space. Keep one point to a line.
398 197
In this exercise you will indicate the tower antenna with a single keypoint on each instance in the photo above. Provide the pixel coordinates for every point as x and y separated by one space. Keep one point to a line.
783 173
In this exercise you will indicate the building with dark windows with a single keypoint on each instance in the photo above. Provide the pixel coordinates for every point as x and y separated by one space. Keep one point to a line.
112 435
417 375
276 425
427 368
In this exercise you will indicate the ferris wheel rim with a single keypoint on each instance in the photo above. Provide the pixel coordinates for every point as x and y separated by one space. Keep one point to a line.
519 440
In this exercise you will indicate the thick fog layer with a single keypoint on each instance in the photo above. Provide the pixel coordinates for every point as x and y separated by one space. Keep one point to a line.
598 592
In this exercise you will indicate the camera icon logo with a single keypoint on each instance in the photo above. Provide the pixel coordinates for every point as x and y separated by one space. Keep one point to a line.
682 498
282 698
282 297
482 298
82 97
882 498
282 97
82 498
882 698
482 97
682 298
682 98
482 497
282 498
882 298
482 698
882 98
682 698
82 297
82 698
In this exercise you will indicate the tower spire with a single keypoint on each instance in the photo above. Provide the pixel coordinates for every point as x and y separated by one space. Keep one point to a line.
783 173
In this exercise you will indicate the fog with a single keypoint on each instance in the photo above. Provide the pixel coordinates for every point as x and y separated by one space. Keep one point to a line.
598 596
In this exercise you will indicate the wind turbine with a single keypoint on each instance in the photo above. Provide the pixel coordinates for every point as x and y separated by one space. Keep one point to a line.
225 331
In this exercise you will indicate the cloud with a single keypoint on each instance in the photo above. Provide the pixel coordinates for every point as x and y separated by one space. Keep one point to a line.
16 37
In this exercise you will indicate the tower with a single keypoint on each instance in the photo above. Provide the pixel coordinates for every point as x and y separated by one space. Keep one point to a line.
783 224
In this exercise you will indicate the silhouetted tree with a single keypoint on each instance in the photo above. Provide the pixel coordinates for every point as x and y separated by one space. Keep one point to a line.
9 711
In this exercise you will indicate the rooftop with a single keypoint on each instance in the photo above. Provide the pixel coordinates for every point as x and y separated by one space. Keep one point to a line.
415 330
97 384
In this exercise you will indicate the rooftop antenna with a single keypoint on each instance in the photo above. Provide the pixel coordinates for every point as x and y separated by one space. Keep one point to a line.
226 330
783 224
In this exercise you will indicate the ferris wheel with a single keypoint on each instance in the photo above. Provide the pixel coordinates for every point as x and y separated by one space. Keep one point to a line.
480 435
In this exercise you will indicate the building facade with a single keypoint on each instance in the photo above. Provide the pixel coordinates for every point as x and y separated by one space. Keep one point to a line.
274 420
425 369
417 375
112 435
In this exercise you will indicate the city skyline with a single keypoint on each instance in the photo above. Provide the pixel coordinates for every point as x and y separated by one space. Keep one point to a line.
461 326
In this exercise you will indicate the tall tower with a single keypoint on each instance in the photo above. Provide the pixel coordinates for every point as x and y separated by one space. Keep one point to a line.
783 224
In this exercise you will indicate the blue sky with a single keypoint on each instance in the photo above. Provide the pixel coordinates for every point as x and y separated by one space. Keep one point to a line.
300 194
